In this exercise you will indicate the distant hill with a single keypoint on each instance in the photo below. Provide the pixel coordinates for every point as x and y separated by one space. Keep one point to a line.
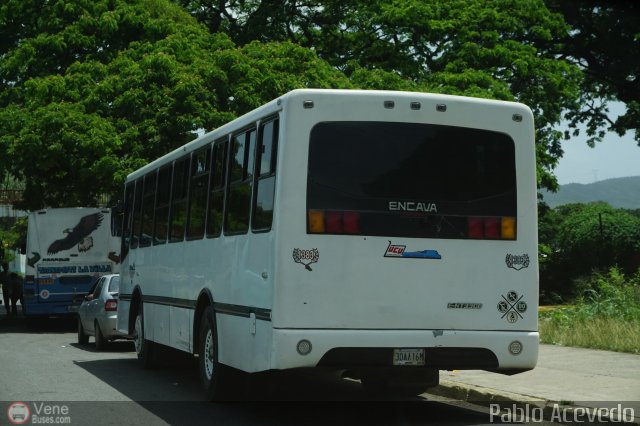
619 192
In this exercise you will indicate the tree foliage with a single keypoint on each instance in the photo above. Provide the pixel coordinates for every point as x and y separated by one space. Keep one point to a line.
579 238
95 89
603 41
500 49
90 90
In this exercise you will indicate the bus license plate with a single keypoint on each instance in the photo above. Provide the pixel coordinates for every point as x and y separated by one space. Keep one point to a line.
408 357
72 308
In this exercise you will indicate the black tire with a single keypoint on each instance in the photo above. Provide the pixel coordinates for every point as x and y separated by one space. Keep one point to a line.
83 338
144 348
101 342
211 371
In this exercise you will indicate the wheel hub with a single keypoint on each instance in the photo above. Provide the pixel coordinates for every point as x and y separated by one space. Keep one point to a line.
208 355
137 335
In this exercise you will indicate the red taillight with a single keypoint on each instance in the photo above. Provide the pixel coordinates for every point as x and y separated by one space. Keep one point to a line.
333 222
351 222
476 227
111 305
491 228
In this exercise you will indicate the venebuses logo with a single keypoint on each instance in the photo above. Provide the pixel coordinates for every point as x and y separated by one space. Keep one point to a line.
18 413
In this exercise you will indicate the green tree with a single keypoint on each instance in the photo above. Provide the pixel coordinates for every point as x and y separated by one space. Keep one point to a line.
96 89
603 40
582 238
501 49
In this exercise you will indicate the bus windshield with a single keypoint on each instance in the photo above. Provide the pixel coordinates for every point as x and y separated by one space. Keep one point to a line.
410 179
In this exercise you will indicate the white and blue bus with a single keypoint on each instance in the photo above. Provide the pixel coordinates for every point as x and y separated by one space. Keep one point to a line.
67 250
387 235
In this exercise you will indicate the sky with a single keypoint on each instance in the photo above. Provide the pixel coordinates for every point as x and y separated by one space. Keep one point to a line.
614 157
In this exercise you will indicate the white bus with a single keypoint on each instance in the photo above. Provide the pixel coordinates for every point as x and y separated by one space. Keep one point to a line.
67 250
384 234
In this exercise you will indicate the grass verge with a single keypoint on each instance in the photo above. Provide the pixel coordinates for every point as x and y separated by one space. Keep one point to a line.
606 317
610 334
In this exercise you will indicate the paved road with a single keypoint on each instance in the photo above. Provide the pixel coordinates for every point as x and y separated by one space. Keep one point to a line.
45 367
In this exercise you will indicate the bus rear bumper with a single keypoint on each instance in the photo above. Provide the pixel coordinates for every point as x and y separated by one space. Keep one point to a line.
444 349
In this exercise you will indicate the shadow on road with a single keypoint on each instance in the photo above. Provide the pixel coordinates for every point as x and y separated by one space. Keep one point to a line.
170 393
36 325
117 346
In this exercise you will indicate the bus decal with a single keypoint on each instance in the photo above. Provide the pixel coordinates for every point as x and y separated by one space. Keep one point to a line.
397 250
306 257
79 235
517 262
463 305
512 306
31 261
411 206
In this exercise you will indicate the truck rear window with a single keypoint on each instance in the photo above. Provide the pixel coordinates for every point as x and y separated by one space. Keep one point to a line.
411 180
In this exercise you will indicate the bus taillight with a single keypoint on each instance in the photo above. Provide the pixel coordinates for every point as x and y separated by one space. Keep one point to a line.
491 228
316 221
333 222
351 222
475 227
508 228
111 305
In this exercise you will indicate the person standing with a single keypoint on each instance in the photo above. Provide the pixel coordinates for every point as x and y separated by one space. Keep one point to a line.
15 283
6 288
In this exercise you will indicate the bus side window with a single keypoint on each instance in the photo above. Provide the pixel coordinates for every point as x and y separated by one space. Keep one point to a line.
179 197
161 221
137 214
200 163
148 201
238 204
216 196
266 176
128 218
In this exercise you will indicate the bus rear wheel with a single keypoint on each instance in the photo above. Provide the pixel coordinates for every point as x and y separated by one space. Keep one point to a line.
144 347
211 371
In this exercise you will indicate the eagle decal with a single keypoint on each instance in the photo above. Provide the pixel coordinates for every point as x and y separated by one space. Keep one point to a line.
79 235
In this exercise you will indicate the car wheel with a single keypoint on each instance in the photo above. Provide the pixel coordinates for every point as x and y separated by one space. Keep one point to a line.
101 342
144 347
83 339
211 371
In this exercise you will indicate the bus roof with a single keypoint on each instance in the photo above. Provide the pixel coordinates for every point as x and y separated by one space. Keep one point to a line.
279 103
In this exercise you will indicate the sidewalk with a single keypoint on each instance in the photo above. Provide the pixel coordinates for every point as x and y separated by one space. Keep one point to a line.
569 376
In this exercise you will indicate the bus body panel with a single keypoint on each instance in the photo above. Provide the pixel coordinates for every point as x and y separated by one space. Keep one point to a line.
353 286
237 271
323 341
68 249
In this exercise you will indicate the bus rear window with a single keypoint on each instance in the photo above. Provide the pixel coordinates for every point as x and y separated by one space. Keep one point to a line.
411 180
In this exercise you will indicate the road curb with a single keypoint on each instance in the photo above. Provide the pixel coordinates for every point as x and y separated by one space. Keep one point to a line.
532 407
